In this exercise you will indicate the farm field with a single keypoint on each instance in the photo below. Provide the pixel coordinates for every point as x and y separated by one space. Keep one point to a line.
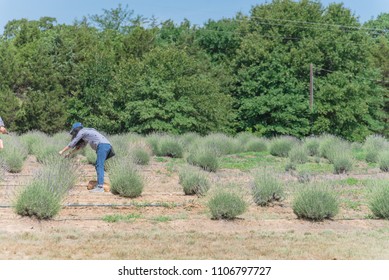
164 223
220 129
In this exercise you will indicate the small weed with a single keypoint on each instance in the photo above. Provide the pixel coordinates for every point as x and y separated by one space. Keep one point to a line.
315 168
351 204
359 155
162 219
28 236
168 205
139 205
352 181
161 159
248 161
172 164
180 216
121 218
369 216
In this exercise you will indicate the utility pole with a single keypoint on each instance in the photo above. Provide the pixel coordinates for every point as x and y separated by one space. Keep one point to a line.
311 87
311 94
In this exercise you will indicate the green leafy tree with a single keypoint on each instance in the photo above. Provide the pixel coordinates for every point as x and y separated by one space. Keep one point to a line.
9 106
171 91
93 102
221 38
137 43
115 73
380 54
272 72
118 19
181 35
44 111
9 65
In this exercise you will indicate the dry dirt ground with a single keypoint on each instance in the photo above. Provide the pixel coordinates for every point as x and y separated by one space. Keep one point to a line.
165 224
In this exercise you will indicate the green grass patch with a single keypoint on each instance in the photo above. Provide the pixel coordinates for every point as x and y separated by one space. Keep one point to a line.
162 219
168 205
141 204
359 154
351 204
121 218
350 181
372 165
161 159
248 161
315 168
173 163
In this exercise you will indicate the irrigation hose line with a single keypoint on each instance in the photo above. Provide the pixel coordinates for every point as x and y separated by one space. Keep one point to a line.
166 204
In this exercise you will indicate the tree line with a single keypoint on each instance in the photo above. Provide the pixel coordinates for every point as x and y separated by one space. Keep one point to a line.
119 72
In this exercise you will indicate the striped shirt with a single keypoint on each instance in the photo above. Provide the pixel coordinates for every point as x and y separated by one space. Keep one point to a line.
1 122
91 136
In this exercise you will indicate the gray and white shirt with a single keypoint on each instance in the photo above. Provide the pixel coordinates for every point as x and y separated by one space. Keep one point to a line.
91 136
1 122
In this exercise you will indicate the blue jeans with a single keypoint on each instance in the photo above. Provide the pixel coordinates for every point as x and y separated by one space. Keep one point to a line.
102 153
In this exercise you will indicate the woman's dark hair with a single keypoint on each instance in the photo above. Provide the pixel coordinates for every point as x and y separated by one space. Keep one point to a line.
81 143
75 131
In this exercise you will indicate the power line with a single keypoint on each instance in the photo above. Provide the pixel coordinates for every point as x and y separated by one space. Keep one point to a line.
288 25
317 25
352 75
273 36
323 24
260 35
310 27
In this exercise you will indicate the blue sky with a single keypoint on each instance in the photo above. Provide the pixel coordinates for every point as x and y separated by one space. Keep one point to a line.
197 11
